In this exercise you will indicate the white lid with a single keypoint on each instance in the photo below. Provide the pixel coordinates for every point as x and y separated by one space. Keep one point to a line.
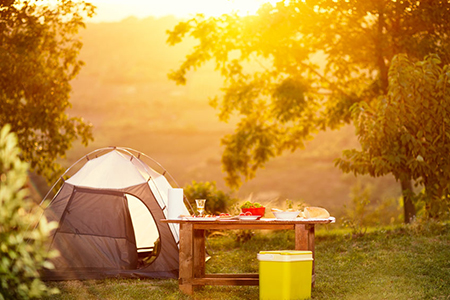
285 255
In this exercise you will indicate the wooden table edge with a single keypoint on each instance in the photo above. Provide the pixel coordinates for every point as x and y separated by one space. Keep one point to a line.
252 222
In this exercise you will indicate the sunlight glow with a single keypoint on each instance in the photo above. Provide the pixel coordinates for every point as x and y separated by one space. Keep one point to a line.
116 10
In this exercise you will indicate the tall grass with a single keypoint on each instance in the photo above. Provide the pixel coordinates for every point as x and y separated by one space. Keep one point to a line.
405 262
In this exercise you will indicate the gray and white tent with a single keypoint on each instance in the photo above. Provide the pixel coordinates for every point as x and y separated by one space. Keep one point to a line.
109 215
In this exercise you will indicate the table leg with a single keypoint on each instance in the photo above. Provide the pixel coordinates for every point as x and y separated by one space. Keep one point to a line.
186 260
199 253
304 240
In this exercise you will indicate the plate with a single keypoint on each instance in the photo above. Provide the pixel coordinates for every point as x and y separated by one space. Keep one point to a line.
332 219
231 218
202 219
248 218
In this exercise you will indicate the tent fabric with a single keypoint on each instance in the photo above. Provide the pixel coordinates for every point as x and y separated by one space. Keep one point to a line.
106 212
117 170
112 170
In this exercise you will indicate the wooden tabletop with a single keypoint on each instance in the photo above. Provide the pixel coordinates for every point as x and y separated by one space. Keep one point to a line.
251 222
263 223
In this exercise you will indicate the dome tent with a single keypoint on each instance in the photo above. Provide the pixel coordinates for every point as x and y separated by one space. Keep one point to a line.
108 216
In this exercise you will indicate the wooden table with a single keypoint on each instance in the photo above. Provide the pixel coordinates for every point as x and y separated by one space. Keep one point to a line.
192 248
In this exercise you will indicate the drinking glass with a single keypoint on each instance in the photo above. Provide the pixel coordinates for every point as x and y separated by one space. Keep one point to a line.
200 206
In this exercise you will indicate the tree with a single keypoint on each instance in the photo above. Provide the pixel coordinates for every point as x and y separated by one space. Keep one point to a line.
407 132
290 95
38 58
22 250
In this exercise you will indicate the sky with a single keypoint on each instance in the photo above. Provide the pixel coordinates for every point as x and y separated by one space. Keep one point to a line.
116 10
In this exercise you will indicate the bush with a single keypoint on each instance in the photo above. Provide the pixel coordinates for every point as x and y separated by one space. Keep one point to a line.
362 213
22 249
216 201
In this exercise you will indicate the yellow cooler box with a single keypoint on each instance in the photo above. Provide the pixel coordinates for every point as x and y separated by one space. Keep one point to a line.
285 274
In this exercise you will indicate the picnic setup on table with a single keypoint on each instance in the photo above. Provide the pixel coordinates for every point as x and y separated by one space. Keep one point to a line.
117 217
283 274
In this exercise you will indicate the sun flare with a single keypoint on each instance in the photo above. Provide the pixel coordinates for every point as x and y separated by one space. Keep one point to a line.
116 9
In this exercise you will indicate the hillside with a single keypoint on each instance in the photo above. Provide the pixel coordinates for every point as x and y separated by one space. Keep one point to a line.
124 92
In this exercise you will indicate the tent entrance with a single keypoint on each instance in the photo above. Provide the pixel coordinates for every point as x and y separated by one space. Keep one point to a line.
145 231
95 233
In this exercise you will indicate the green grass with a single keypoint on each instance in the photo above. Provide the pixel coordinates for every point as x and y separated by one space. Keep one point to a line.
405 262
384 265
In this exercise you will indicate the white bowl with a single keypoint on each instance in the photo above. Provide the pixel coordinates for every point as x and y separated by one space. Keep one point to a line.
286 214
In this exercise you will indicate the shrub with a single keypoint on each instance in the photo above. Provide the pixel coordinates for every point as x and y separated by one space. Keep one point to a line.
363 213
358 210
217 200
22 249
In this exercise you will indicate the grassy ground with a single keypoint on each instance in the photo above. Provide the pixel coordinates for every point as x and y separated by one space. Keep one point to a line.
397 263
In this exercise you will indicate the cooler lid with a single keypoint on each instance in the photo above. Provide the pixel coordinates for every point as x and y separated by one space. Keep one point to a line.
285 255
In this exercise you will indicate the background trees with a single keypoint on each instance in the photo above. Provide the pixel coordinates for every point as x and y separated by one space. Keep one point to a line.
299 67
38 58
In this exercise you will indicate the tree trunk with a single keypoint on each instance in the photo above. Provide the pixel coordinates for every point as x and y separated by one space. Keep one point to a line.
380 55
408 205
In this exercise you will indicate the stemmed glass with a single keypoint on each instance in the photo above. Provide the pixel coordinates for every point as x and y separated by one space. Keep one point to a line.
200 206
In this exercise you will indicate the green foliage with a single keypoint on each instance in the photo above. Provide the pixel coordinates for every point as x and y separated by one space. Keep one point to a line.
217 201
295 204
297 67
38 59
249 204
366 211
289 204
406 133
22 250
356 214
